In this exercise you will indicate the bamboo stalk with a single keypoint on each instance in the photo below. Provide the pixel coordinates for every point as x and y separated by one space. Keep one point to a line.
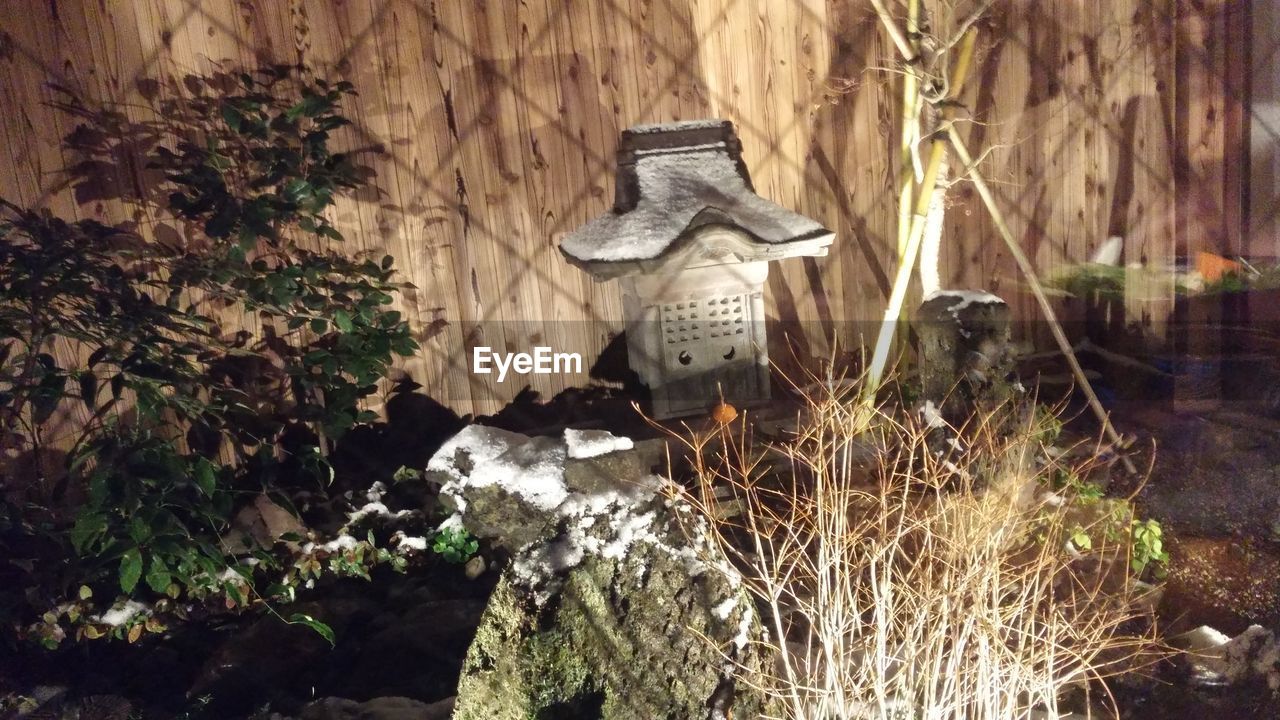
895 32
880 357
912 101
1028 271
910 129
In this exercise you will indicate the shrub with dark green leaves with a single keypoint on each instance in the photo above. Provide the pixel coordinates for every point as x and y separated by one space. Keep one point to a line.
134 420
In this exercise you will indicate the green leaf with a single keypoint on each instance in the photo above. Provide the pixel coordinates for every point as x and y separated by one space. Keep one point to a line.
139 530
311 105
88 527
342 319
232 117
85 592
206 477
158 577
234 593
321 629
130 570
296 190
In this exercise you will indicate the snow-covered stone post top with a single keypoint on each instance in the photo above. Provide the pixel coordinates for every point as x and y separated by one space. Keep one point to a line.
965 352
690 242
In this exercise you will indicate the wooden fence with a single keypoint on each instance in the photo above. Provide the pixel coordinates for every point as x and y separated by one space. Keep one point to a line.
494 123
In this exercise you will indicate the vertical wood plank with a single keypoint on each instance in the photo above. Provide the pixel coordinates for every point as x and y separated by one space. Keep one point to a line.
491 131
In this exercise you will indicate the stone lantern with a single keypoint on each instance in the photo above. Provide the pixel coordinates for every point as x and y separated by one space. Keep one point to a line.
690 242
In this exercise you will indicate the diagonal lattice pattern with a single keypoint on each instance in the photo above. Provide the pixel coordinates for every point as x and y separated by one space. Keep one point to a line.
515 77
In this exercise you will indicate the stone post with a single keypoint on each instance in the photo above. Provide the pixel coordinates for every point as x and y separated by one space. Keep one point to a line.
964 349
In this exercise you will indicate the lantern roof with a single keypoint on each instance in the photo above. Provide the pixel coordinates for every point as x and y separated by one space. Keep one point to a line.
683 198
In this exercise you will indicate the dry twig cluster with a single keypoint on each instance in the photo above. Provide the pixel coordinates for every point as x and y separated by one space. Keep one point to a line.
900 580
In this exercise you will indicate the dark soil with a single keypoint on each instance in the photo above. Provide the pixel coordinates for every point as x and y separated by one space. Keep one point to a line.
399 635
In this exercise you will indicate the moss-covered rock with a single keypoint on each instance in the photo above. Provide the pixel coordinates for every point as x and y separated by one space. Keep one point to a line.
614 614
619 640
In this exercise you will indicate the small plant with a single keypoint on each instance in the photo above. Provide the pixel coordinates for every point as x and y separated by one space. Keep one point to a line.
455 545
406 474
1148 548
1080 539
1046 425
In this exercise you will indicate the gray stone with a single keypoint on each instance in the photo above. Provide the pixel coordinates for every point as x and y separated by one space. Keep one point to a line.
612 471
494 512
611 612
474 568
965 353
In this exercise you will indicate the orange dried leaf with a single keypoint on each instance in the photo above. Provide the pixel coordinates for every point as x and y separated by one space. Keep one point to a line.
724 413
1212 267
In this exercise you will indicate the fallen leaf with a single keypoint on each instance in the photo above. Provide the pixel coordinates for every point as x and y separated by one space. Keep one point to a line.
724 413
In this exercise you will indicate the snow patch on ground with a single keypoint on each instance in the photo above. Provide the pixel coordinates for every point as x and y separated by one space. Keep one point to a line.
411 543
122 613
339 544
931 416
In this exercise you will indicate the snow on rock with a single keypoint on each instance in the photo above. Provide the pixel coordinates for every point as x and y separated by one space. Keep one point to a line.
584 494
628 528
702 124
722 611
473 446
1216 658
482 456
533 566
614 573
965 298
533 470
590 443
745 623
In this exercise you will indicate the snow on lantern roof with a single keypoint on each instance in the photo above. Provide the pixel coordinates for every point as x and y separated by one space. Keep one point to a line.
679 183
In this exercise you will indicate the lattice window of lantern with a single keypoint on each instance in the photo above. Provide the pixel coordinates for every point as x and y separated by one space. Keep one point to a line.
725 316
680 322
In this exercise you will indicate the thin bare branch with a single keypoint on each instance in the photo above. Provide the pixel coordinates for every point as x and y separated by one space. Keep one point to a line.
895 33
